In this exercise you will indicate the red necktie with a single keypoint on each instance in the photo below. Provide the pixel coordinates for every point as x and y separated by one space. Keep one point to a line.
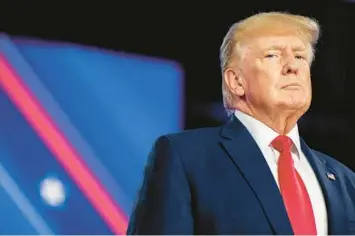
293 190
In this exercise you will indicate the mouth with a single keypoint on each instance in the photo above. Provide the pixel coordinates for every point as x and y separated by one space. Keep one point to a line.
291 86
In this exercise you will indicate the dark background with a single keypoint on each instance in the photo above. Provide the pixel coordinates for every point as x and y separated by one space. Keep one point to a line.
191 34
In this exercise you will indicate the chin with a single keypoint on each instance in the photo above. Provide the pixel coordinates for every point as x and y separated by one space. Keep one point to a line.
295 106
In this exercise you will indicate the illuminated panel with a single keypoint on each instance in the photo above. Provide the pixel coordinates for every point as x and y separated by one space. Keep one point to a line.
110 107
120 103
61 149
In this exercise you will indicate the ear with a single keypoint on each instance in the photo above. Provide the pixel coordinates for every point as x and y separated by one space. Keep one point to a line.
234 82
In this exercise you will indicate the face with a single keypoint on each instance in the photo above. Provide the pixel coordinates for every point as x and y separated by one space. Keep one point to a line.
275 73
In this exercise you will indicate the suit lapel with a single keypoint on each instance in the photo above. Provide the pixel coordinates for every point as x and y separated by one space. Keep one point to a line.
248 158
329 181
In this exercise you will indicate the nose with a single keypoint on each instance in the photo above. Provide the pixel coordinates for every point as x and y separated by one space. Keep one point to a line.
290 66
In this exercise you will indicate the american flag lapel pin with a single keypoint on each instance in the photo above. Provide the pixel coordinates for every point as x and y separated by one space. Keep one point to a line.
330 176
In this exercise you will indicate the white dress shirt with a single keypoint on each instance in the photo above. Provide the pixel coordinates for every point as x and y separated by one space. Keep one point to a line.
264 135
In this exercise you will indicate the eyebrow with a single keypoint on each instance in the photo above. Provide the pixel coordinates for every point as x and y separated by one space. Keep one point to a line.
277 47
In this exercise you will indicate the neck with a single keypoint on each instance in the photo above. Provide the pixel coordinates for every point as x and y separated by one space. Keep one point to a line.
280 121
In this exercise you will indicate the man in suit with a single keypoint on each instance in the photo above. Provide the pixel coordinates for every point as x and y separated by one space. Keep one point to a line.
254 174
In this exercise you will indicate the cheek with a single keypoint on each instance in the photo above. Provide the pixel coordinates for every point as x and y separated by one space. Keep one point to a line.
305 71
265 81
265 87
262 80
307 80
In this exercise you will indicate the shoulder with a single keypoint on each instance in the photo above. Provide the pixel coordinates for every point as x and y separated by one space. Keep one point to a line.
188 145
194 135
334 164
189 140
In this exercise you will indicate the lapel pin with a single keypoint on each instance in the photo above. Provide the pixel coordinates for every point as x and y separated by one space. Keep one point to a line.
331 176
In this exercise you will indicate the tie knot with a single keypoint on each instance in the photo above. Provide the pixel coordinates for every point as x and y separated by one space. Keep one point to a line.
281 143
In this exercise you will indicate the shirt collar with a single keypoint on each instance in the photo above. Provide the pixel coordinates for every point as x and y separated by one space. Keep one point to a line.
263 135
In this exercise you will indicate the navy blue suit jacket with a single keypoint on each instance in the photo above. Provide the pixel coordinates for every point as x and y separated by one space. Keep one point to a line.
216 181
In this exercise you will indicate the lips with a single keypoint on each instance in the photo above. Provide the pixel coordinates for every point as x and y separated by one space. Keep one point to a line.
293 85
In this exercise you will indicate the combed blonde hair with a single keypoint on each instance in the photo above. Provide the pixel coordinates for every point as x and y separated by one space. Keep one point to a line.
259 24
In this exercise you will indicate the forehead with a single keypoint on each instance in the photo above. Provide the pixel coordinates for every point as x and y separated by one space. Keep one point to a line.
266 42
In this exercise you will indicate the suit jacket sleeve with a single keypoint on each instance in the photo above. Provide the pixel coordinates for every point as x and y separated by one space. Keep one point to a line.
164 200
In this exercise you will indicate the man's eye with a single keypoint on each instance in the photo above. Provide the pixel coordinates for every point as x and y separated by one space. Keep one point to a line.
270 55
299 57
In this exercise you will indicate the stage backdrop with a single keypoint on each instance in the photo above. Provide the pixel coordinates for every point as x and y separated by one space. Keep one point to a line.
76 125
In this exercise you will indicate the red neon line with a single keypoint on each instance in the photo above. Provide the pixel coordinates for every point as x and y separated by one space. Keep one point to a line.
61 148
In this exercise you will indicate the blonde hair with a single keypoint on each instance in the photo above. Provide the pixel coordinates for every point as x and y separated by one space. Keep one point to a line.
258 24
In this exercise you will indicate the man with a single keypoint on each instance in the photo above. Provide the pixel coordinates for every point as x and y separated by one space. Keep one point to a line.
254 174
